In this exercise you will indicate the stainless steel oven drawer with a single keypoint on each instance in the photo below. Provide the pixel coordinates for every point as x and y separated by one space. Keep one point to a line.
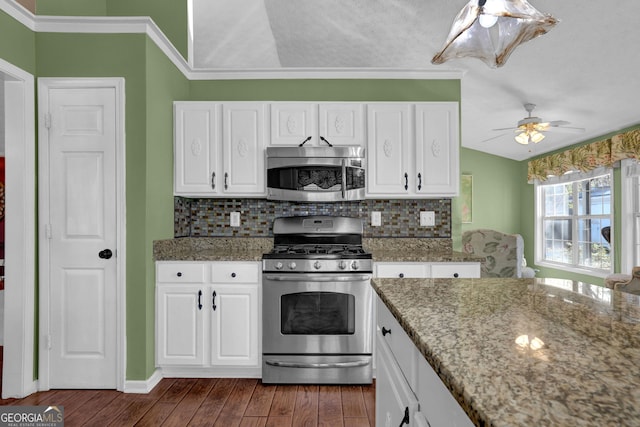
314 369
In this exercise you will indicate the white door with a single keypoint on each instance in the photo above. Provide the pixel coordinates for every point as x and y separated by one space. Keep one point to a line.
82 237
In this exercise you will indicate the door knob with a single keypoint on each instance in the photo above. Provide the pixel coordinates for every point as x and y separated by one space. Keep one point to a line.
105 254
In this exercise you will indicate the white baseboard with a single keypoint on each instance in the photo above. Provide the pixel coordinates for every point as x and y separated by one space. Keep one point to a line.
143 386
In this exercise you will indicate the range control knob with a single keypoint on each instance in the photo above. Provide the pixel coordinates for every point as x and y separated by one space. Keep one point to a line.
342 265
354 265
278 265
317 265
292 265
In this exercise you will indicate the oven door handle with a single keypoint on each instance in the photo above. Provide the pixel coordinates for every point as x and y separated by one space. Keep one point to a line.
301 277
352 364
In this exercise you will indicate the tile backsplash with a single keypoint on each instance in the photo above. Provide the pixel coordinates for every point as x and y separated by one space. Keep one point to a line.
400 218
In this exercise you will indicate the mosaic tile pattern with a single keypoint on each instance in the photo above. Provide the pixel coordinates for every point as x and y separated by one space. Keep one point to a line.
400 218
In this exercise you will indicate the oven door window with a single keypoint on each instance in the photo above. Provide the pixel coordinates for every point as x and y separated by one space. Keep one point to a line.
317 313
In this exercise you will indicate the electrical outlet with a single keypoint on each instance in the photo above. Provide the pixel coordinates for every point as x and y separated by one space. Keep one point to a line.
427 218
376 219
235 219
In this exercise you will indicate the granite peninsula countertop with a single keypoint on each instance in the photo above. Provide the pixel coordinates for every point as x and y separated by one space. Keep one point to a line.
252 248
474 333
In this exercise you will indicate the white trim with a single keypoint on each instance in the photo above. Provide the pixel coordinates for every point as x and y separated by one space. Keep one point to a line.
143 386
17 379
630 170
44 85
145 25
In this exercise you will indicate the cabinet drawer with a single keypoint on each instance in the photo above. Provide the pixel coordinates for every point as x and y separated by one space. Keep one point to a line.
456 269
235 272
400 344
180 272
402 270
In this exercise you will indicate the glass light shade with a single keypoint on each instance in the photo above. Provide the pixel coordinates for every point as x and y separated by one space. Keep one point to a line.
528 136
516 22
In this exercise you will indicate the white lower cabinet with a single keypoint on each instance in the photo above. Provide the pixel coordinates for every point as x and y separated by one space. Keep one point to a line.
408 391
208 318
425 270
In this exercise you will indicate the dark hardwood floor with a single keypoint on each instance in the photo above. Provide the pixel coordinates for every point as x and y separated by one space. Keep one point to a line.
214 402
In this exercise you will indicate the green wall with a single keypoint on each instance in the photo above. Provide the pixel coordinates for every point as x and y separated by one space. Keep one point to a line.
496 194
170 16
17 44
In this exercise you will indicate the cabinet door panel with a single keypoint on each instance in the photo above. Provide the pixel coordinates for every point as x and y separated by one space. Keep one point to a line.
292 123
388 148
437 148
342 123
243 149
234 325
197 129
179 325
394 397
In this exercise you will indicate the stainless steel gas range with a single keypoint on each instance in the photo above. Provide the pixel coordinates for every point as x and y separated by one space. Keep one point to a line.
317 303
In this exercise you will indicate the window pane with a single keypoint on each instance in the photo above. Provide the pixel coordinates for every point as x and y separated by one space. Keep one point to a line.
594 251
558 240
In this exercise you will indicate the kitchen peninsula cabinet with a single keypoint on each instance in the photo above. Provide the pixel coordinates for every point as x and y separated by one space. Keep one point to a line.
219 149
413 150
207 318
407 389
340 123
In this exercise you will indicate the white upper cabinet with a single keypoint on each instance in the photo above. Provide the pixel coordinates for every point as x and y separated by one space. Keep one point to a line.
197 148
413 150
437 154
219 149
243 149
339 123
388 149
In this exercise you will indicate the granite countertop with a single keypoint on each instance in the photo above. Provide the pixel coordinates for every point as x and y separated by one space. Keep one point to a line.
474 333
211 249
252 249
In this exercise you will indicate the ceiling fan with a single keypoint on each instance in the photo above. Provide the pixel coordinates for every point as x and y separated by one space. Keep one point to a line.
530 129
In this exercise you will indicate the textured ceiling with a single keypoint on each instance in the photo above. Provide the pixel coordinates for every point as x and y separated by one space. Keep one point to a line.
585 70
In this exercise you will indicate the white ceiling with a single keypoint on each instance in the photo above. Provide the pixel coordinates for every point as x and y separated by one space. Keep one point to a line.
586 70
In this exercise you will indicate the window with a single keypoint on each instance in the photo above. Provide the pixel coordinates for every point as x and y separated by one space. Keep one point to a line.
630 217
574 222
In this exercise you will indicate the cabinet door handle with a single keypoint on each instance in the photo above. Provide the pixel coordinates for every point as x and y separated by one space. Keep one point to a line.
213 304
419 181
401 275
226 180
455 275
406 181
233 275
213 180
200 299
385 331
405 420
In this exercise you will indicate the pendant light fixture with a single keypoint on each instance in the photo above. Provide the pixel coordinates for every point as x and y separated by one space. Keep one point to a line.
491 29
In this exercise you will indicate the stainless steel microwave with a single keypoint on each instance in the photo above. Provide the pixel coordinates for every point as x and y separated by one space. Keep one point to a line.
316 174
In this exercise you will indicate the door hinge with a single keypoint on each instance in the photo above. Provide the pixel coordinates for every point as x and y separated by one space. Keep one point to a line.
47 231
47 120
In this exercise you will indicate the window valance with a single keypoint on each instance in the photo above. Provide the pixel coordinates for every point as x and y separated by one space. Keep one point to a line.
587 157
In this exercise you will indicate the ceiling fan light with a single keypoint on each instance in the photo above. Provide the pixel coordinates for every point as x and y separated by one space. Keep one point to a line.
536 136
522 138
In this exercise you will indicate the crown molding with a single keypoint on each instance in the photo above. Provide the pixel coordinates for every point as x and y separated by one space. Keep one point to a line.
145 25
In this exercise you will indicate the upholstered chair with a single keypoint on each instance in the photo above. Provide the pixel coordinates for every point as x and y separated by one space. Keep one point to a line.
504 253
631 286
